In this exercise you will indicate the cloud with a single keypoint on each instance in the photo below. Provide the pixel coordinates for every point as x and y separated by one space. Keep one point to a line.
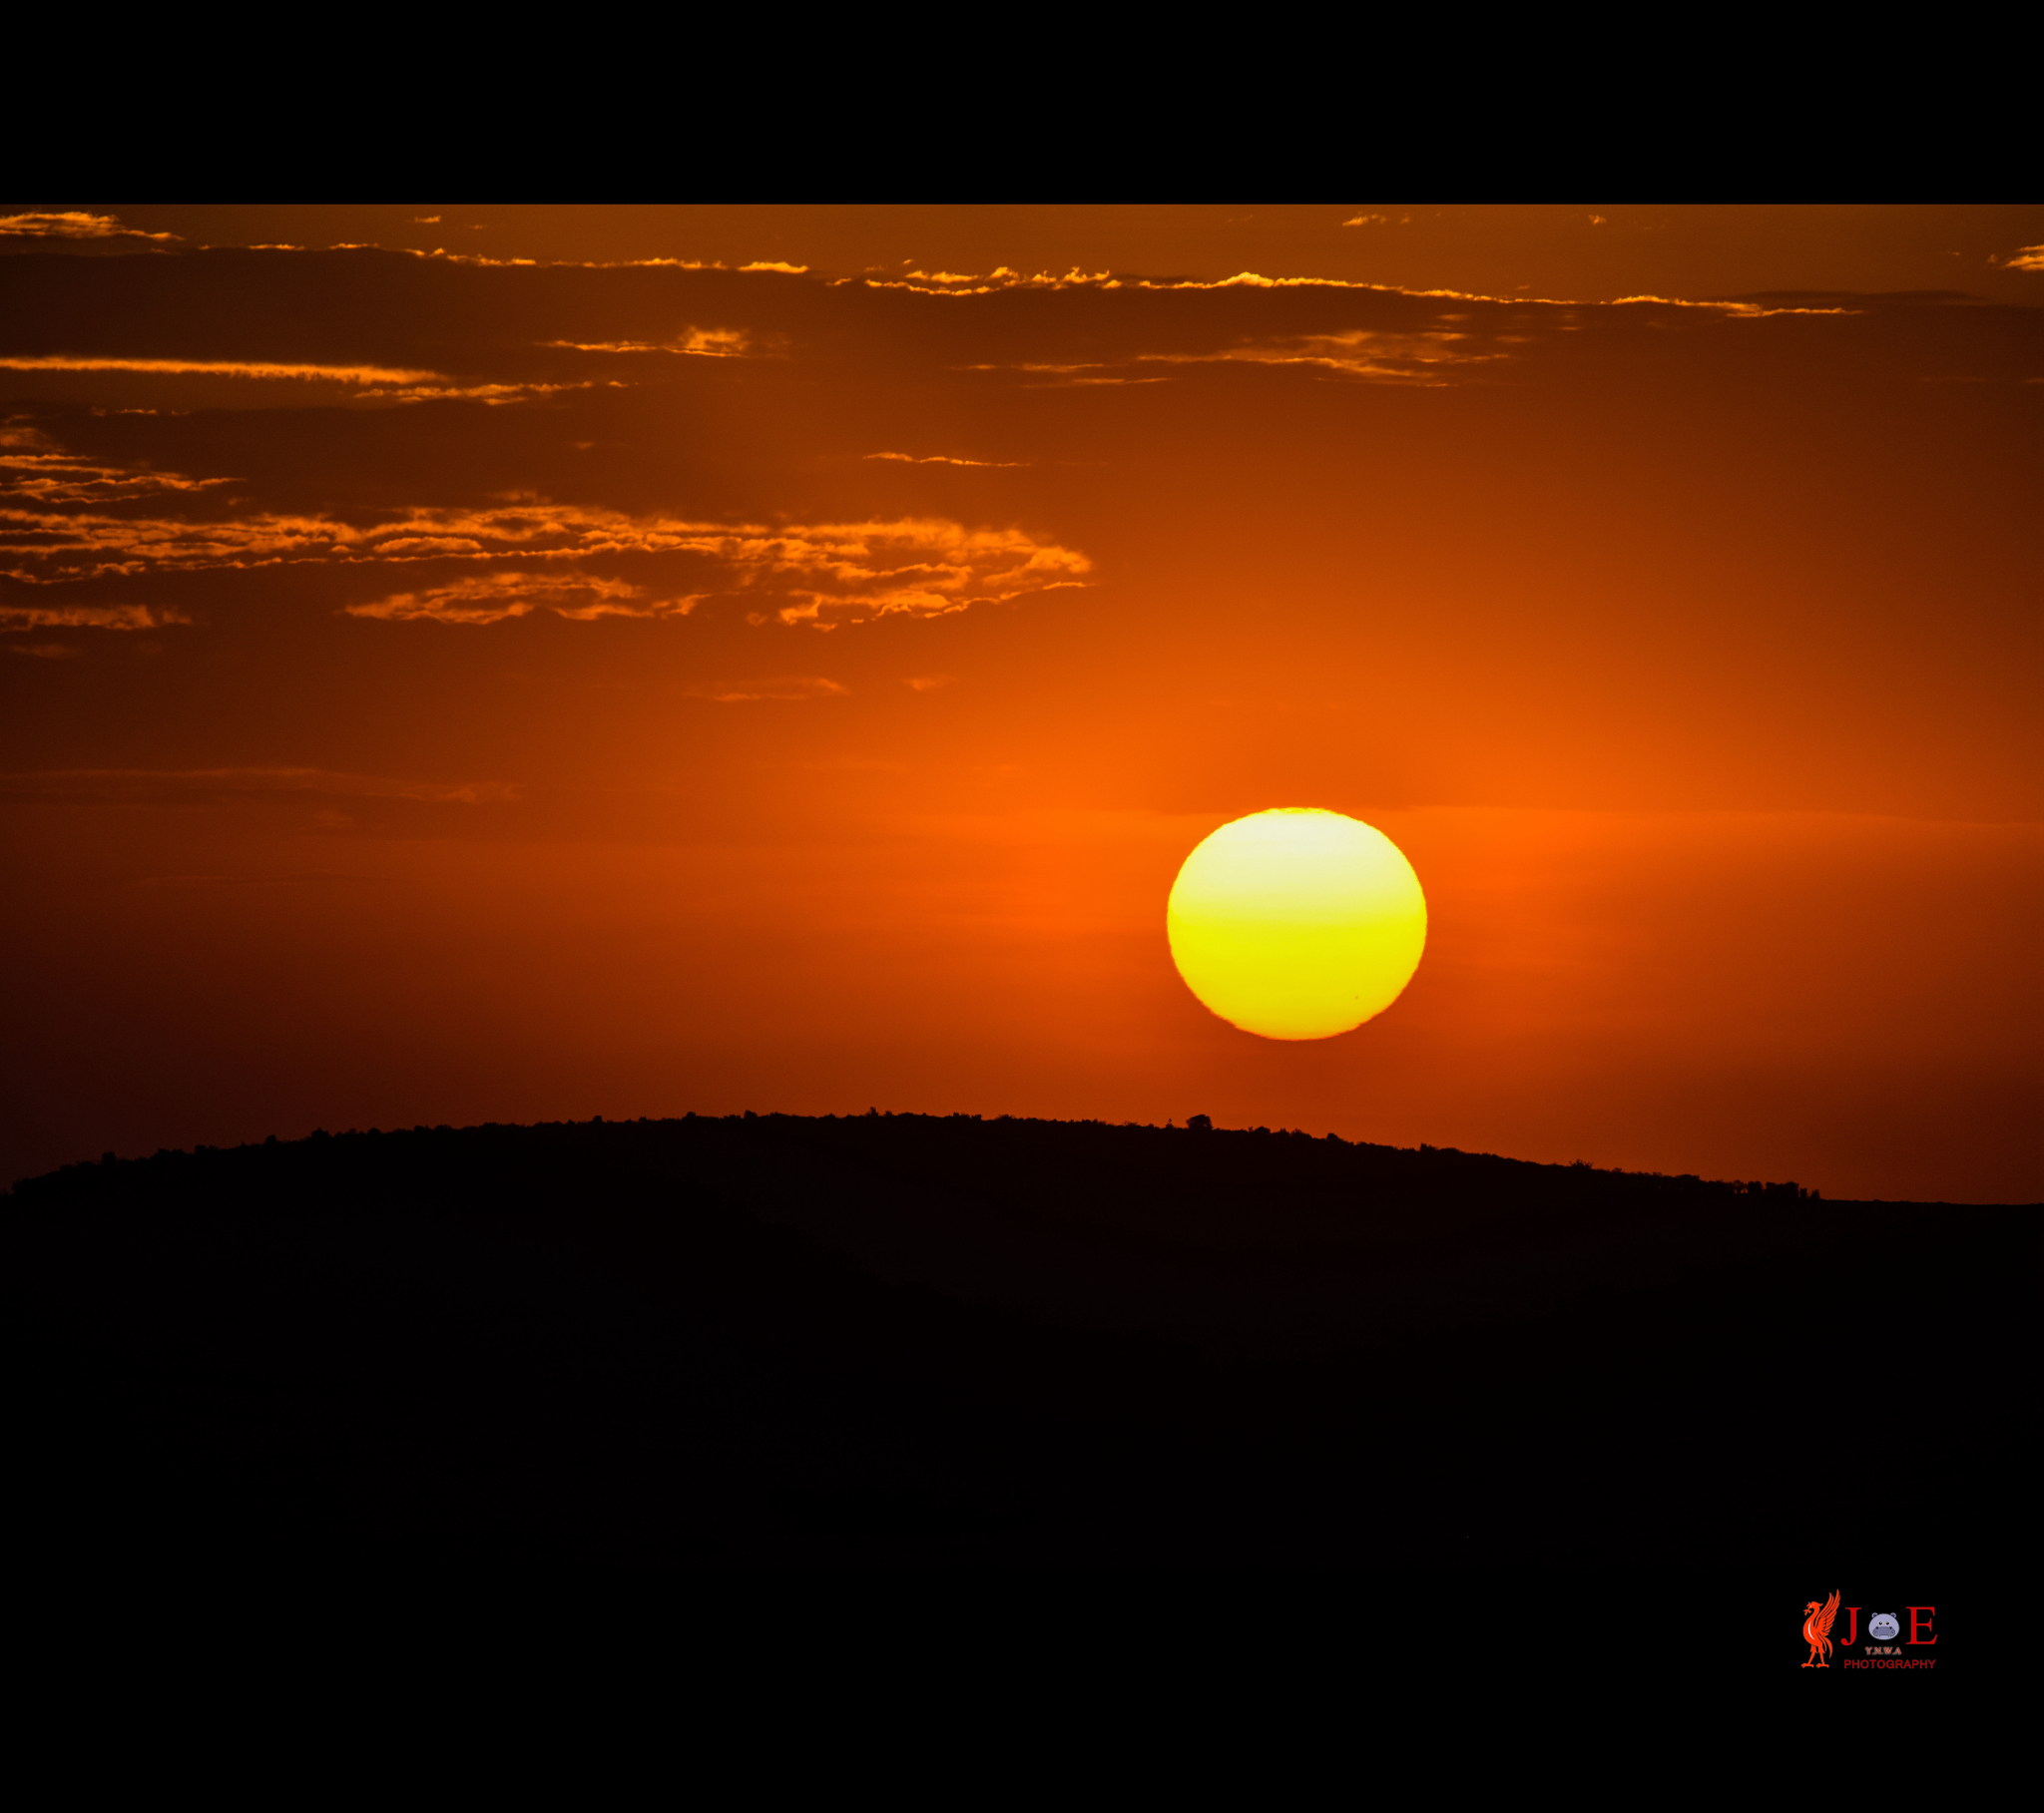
1380 356
387 384
1062 375
72 226
34 467
60 528
2030 257
492 394
88 616
822 574
716 344
55 544
77 543
1361 352
490 598
231 368
939 459
952 283
958 283
612 604
46 650
698 342
791 686
928 683
1739 310
850 572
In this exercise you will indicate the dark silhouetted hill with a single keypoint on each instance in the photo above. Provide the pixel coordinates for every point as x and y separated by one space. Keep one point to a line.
897 1339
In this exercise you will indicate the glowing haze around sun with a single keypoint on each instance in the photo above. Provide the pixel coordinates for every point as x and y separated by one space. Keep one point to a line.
1297 923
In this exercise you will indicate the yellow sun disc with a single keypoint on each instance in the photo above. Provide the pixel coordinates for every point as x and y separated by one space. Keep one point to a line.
1297 924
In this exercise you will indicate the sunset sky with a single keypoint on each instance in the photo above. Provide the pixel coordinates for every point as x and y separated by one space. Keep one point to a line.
524 663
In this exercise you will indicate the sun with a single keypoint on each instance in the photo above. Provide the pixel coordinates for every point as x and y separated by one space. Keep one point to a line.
1297 923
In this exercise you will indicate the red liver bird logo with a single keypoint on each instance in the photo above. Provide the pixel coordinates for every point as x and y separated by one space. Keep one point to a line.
1817 1630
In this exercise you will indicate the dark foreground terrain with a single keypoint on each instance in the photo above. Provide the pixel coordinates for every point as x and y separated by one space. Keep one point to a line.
908 1340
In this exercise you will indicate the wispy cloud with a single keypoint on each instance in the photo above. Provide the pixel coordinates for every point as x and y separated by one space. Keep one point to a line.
694 342
816 573
953 283
1738 310
2030 257
1062 375
928 683
1404 358
961 283
491 598
1422 356
493 394
821 573
939 459
369 384
73 226
229 368
88 616
36 468
788 686
848 571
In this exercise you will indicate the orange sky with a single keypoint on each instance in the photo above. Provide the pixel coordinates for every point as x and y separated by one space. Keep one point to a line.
443 689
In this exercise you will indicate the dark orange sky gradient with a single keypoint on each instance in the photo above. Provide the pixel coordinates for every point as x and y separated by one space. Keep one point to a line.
447 689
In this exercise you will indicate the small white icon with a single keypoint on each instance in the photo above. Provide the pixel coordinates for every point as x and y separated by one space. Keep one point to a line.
1883 1624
